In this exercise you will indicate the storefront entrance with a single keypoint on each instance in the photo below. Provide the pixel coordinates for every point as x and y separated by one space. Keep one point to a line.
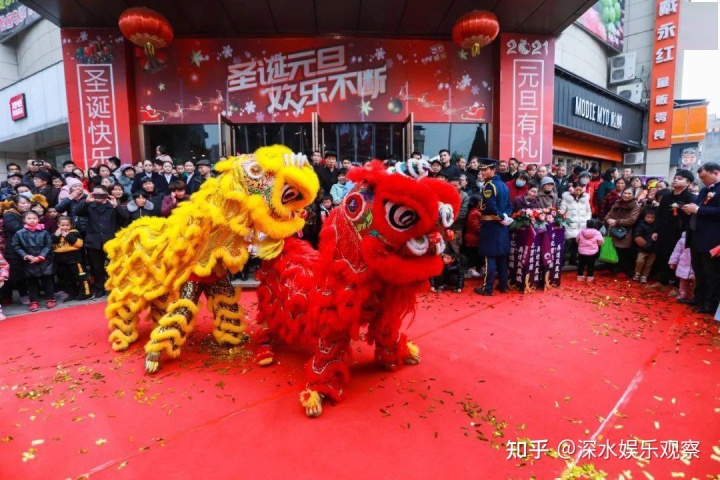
358 141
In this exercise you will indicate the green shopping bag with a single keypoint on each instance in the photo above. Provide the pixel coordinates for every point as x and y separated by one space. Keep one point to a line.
608 254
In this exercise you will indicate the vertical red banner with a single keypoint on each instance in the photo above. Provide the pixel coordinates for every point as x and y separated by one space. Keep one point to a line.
96 79
662 83
527 73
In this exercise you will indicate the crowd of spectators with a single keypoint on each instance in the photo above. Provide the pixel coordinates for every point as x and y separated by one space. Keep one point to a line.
77 212
660 237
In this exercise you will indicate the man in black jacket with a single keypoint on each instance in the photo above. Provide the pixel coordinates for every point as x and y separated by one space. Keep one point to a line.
671 222
164 177
328 174
203 172
43 186
704 235
101 210
35 166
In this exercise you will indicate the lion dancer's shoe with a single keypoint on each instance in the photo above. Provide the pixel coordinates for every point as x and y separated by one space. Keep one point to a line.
327 373
392 350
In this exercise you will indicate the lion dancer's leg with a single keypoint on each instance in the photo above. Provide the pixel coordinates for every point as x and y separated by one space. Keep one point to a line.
392 348
173 328
327 374
158 307
124 314
224 302
264 353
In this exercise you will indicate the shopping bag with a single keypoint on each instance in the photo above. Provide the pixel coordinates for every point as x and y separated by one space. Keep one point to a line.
608 254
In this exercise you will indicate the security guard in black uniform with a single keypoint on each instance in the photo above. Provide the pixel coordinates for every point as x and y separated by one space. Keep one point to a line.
494 233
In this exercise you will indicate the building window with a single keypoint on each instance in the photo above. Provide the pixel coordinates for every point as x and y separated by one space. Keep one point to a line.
185 142
460 138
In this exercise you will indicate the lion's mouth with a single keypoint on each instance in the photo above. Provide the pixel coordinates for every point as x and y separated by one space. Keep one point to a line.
432 244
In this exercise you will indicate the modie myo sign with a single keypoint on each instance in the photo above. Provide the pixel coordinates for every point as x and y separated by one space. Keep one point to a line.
596 113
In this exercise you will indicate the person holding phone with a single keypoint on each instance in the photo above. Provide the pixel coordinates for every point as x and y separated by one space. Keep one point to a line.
35 166
101 210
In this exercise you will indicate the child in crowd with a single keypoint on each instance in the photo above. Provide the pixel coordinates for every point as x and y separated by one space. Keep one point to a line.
681 263
34 245
325 207
453 274
67 247
4 275
646 247
589 240
47 221
471 239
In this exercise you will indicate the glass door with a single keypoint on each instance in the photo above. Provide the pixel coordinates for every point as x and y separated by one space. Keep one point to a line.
227 131
408 144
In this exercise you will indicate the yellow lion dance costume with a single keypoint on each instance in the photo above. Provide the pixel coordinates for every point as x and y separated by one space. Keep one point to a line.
165 264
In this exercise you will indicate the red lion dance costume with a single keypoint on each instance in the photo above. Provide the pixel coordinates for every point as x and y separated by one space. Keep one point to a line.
378 249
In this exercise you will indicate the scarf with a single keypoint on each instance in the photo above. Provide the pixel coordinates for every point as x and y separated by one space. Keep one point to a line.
37 228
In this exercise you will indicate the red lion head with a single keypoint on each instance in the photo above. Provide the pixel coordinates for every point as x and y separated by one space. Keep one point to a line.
392 223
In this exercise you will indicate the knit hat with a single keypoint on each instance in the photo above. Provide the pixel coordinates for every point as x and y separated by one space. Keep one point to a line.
546 181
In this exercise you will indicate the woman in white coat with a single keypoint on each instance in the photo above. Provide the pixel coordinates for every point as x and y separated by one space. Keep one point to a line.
576 205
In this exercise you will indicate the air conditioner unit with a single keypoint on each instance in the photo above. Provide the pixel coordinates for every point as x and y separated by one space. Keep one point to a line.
635 158
622 68
631 91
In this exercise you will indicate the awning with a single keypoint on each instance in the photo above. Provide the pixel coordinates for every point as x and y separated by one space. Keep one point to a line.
585 148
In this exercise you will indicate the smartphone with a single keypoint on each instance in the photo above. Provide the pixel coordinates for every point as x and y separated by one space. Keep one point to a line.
38 163
100 196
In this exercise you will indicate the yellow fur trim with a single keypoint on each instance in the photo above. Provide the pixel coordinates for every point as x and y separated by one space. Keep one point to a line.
413 350
310 399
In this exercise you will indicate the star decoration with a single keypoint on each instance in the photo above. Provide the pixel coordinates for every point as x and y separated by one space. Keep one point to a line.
365 108
196 58
161 87
462 54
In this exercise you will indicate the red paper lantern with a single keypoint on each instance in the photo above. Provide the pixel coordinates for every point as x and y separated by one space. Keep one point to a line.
146 28
475 29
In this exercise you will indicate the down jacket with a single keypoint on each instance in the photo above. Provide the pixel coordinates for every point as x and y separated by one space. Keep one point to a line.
681 258
578 210
37 244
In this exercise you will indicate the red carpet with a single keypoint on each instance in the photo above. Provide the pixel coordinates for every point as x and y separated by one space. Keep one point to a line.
608 362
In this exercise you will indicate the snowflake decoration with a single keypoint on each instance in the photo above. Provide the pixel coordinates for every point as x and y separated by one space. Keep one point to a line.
379 53
485 84
389 63
223 113
475 89
227 51
83 36
464 82
249 107
352 59
260 116
399 57
441 86
248 55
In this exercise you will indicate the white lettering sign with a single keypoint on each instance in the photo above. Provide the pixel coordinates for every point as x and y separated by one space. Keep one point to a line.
596 113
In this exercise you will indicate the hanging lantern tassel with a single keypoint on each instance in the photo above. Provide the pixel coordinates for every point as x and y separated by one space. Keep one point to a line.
149 50
475 30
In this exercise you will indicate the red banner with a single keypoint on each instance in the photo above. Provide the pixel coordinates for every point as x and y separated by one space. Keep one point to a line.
286 80
527 74
97 96
662 83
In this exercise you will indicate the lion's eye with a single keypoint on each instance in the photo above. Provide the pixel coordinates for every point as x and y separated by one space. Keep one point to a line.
253 170
399 216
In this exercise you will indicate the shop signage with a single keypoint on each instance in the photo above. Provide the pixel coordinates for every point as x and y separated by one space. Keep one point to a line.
526 97
596 113
14 17
18 109
288 79
97 94
662 83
